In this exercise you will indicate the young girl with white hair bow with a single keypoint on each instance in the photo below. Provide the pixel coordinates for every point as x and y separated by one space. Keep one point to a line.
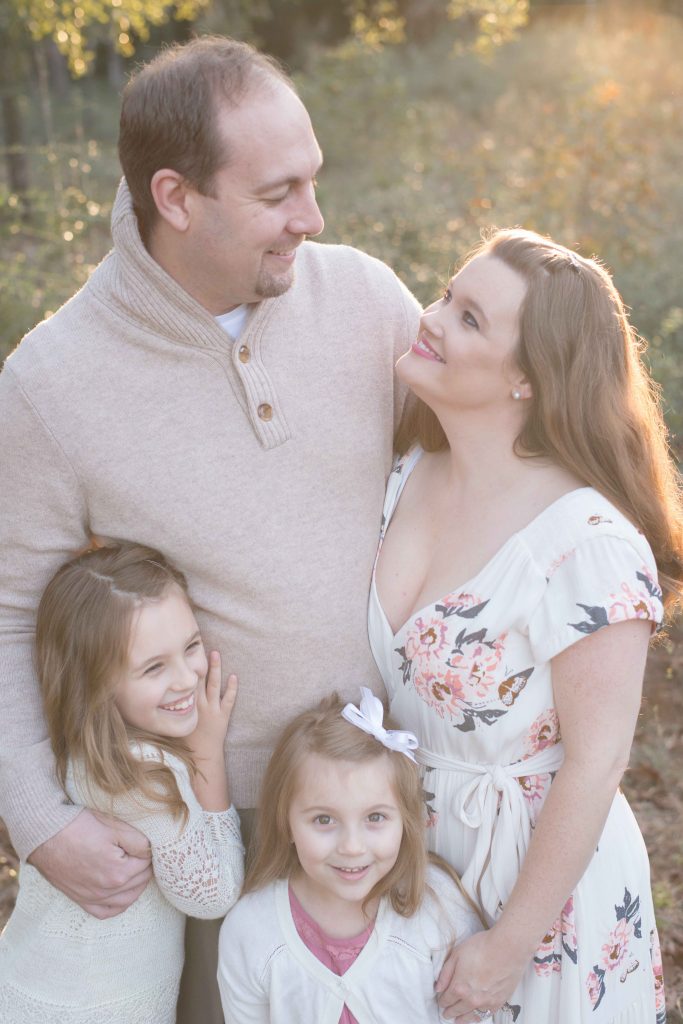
344 918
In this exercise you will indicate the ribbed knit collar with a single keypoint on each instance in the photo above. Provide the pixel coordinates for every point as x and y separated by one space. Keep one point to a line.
140 290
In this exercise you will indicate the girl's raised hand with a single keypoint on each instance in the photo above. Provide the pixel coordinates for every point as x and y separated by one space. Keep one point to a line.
213 711
207 741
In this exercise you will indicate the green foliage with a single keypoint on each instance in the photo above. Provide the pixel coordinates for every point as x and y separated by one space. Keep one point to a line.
574 130
497 21
68 23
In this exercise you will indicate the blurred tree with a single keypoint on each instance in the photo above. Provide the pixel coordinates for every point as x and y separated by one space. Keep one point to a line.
75 28
489 23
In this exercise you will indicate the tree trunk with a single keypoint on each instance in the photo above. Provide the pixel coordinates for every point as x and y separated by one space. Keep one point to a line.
12 121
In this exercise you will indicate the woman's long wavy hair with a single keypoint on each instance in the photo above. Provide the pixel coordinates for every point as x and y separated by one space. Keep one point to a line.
323 731
83 634
594 408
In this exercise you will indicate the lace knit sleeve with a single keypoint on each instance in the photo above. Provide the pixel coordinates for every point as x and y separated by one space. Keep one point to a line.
199 865
201 872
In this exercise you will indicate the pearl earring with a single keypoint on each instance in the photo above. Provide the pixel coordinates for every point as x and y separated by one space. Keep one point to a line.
516 394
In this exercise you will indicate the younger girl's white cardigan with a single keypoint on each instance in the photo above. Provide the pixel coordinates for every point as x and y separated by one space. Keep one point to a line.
60 965
267 975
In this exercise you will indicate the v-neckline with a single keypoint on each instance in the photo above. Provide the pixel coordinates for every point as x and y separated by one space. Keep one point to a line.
307 957
514 537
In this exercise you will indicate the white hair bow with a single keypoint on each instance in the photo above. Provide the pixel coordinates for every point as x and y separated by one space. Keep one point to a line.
369 719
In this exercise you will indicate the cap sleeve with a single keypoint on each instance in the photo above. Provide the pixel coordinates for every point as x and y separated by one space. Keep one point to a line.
602 580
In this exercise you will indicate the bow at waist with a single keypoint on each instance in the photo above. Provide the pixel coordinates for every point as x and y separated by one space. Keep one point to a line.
492 802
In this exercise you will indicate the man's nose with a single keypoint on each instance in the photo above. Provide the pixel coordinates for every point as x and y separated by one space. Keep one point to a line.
307 220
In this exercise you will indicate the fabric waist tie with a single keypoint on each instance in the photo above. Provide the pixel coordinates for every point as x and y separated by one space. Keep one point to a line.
492 802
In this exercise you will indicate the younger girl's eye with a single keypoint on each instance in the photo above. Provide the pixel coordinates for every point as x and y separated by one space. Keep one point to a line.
151 669
193 646
469 319
322 819
376 817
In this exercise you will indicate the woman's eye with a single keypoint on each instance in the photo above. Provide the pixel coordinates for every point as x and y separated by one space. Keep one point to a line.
151 669
376 817
469 319
193 646
322 819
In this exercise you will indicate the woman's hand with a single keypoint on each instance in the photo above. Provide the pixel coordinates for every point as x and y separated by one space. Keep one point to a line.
480 973
208 739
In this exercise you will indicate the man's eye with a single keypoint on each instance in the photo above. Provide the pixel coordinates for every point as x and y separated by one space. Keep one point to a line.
469 319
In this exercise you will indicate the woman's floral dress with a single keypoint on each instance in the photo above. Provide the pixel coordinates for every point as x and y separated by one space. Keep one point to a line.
471 675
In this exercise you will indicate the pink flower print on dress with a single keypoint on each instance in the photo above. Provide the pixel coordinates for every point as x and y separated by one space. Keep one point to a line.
547 959
543 732
640 602
615 950
466 606
568 928
657 970
558 943
595 983
555 565
426 639
444 692
534 787
476 666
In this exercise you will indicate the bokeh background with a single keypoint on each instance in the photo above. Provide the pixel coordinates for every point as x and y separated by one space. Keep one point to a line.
437 118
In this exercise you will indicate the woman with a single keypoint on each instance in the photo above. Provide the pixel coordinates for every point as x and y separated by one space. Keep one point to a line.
532 506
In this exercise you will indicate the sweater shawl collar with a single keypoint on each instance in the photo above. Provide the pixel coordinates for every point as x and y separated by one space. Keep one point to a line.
141 291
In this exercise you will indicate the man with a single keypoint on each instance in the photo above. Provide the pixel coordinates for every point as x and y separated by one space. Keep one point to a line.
220 389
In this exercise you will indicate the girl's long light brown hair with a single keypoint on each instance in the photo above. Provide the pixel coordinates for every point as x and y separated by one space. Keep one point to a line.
83 634
323 731
594 408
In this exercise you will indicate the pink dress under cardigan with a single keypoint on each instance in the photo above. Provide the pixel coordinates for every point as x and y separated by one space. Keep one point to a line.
336 954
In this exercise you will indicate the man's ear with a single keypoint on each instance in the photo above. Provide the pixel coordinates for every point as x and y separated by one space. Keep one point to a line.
170 193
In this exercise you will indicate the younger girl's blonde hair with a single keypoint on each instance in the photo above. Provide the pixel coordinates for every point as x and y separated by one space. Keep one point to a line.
323 731
83 632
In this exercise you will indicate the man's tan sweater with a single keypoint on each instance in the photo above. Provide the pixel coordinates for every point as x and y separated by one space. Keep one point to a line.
257 466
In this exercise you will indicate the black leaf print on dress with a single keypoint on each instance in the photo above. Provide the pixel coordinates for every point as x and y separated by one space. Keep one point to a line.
650 585
464 613
630 909
464 637
487 716
598 619
405 666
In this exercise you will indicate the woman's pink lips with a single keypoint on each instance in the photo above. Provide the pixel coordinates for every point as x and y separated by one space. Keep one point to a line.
422 348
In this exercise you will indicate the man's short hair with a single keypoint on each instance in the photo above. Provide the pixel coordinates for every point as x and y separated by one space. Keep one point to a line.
168 113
